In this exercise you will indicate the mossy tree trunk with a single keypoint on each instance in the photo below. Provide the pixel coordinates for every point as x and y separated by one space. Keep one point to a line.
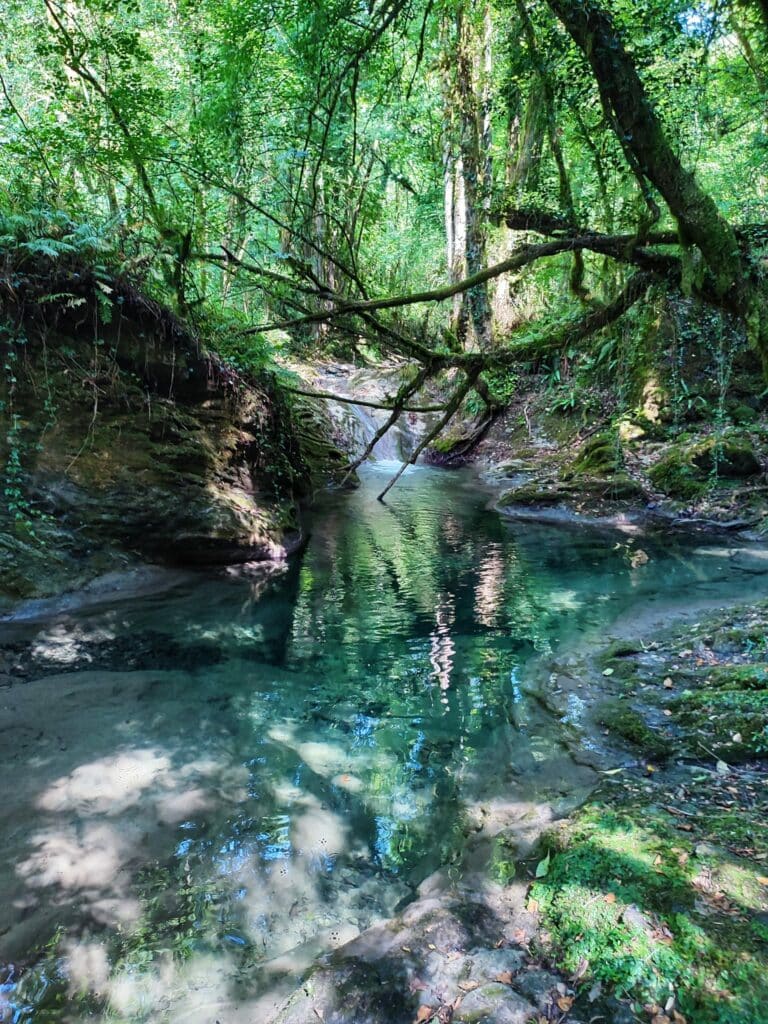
644 140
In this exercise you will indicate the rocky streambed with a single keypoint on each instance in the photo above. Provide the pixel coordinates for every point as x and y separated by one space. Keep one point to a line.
333 791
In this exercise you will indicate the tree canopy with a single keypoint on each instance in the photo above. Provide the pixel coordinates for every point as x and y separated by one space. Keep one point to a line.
465 185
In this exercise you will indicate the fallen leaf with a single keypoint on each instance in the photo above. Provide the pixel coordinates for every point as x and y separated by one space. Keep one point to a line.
667 713
533 906
423 1014
639 558
610 897
505 978
469 986
762 880
565 1002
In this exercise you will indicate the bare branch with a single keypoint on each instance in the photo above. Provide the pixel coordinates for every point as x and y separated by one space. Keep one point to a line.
450 410
359 401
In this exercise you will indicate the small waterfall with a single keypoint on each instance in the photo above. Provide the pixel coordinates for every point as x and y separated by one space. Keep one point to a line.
358 424
396 445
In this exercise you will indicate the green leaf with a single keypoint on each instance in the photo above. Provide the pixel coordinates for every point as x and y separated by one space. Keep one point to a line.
542 868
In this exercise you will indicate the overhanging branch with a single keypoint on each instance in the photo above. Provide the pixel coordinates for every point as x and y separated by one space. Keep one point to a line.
619 247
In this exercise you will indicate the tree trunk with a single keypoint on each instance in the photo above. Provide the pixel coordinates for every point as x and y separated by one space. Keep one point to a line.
472 173
642 136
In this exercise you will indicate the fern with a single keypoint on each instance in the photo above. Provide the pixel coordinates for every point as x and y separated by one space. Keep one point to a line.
47 247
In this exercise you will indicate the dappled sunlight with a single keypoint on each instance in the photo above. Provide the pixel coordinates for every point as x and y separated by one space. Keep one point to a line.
61 645
108 785
89 863
87 966
317 831
192 987
564 600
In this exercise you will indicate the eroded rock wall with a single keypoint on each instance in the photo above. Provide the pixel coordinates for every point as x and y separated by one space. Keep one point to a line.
123 439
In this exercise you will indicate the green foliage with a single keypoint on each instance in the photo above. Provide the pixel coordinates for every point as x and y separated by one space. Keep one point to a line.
49 232
249 354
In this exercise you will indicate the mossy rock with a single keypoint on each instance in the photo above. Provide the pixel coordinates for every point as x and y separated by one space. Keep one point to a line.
739 677
742 413
732 724
623 721
530 495
599 456
731 457
675 475
617 487
685 470
446 444
621 649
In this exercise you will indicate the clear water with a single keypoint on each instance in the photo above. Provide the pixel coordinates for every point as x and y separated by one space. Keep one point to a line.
206 790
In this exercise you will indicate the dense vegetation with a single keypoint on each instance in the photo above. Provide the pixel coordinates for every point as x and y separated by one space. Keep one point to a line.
475 187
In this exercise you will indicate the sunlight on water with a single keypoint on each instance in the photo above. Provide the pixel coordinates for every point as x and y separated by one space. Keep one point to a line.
207 790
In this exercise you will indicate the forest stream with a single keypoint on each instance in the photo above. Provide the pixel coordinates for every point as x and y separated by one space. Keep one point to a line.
216 786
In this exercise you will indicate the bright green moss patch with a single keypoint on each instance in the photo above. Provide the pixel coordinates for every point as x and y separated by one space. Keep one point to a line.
675 475
732 723
621 649
622 721
600 455
627 894
739 677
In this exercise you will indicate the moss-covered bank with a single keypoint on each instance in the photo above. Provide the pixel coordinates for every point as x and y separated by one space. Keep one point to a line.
655 893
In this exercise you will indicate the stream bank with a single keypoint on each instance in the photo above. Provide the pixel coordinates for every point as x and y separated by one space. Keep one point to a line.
627 472
657 888
126 441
